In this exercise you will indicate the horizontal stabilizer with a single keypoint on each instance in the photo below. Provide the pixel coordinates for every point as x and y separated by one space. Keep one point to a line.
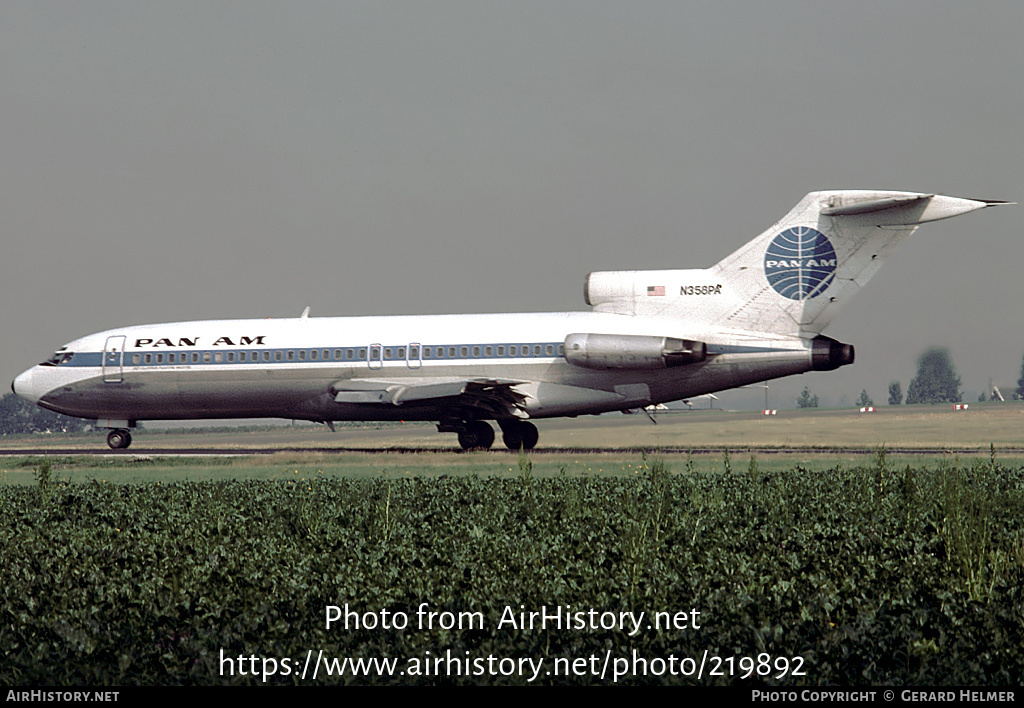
866 207
897 209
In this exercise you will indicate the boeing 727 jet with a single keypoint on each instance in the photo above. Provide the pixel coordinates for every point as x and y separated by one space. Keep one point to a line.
650 337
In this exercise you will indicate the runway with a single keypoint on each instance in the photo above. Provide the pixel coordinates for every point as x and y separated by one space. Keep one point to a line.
143 452
908 430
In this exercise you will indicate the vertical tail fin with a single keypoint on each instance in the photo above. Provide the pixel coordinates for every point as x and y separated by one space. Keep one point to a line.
793 278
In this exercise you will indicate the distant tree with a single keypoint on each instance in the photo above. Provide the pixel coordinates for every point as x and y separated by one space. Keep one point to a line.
1019 393
806 400
895 393
18 416
981 397
865 399
936 380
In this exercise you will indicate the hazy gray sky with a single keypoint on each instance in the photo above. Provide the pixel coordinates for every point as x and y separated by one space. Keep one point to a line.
193 160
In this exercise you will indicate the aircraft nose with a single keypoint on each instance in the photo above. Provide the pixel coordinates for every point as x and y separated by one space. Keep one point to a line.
25 386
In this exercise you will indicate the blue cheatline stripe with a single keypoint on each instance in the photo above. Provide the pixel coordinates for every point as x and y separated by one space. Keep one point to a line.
389 354
341 355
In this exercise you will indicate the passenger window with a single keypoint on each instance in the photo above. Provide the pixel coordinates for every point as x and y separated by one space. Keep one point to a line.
195 357
464 352
536 350
302 355
291 355
136 359
278 356
426 352
512 350
414 352
387 352
451 352
313 354
206 357
549 349
159 358
218 357
401 352
476 351
488 351
362 354
149 359
241 356
501 350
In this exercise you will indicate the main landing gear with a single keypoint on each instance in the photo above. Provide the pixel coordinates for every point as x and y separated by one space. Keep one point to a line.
518 434
479 435
119 439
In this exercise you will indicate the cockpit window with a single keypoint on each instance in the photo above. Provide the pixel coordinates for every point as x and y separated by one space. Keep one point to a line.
58 358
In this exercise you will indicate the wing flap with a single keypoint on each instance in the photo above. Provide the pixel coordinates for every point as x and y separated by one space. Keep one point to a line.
494 397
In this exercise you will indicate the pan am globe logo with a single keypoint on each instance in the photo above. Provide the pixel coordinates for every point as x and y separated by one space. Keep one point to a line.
800 263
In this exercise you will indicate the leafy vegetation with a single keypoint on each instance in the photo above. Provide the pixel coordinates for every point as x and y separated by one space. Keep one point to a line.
1019 392
873 575
936 380
806 400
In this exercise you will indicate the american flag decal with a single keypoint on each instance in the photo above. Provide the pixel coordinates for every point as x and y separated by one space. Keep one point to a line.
653 290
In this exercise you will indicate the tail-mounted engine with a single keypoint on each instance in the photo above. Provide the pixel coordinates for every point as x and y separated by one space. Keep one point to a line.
828 355
631 351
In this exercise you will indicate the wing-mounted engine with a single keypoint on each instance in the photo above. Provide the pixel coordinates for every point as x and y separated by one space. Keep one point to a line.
632 351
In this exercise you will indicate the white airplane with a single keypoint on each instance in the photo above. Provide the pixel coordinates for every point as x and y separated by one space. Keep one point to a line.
651 337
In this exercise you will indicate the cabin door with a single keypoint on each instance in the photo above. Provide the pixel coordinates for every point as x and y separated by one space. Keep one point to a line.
414 355
375 358
113 359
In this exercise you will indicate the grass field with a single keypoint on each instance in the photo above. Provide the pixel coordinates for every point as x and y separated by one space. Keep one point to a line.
1001 424
819 440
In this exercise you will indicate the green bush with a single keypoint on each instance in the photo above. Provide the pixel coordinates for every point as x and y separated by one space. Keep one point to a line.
870 576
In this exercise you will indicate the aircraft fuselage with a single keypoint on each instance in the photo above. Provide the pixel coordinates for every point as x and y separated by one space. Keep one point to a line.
287 368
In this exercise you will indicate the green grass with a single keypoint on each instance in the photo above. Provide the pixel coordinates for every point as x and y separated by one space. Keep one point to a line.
146 469
1001 424
822 435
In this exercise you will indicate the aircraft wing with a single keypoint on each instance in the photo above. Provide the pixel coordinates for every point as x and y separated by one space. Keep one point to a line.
495 397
